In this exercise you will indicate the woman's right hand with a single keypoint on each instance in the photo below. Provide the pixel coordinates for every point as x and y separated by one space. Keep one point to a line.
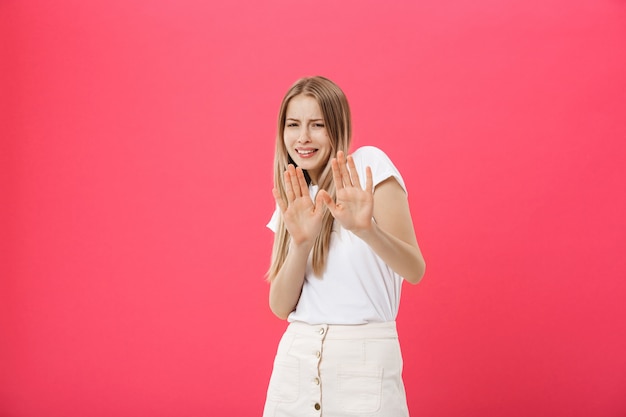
302 218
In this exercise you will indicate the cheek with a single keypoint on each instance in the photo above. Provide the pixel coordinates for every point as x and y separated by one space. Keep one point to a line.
325 139
288 137
287 144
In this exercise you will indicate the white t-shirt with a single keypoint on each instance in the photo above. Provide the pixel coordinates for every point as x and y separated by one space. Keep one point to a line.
357 287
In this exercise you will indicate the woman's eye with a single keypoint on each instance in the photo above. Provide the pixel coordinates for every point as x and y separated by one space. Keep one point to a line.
320 125
292 124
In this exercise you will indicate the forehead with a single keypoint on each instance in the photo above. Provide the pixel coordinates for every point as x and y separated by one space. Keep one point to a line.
303 106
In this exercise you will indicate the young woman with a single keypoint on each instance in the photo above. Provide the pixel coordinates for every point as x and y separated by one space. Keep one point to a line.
344 241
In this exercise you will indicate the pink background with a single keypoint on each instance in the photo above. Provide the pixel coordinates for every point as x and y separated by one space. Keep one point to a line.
136 160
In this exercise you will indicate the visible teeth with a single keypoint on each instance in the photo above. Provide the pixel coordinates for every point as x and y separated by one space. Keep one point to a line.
303 152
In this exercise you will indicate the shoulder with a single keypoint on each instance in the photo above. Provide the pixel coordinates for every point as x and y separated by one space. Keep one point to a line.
381 165
369 153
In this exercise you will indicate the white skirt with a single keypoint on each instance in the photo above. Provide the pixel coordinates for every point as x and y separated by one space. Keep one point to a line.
337 371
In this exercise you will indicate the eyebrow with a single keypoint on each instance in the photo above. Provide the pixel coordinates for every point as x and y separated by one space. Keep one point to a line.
312 120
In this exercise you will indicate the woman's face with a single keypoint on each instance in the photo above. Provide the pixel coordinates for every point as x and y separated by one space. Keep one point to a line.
305 135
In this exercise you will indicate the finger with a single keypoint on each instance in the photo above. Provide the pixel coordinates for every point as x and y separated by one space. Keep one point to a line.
279 200
354 175
369 182
327 200
288 188
319 202
304 187
336 174
343 169
293 178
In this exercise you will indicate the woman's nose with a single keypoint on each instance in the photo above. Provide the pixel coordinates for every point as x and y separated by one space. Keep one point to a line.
304 136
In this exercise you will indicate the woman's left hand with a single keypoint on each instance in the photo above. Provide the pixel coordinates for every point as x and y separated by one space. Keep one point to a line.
354 206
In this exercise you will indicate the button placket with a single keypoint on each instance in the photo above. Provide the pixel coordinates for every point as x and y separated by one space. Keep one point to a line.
316 382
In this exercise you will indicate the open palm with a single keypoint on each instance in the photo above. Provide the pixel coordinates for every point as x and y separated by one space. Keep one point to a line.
354 206
302 218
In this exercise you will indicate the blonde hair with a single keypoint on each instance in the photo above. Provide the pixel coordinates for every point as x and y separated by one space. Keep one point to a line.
336 114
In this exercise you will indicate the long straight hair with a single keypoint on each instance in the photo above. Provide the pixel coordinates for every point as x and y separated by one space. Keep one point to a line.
336 114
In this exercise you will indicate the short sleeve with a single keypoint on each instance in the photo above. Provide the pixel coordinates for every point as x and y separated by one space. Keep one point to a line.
273 223
379 162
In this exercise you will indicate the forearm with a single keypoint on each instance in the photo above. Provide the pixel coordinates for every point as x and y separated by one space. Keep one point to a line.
404 258
286 287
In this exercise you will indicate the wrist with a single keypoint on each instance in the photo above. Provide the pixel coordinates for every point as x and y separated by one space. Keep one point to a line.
367 232
301 247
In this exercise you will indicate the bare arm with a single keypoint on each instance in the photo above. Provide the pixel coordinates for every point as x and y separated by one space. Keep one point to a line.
286 287
380 217
392 235
303 221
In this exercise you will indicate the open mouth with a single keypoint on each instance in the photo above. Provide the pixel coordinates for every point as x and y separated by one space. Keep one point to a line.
306 152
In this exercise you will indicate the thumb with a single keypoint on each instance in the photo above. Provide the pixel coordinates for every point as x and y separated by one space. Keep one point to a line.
324 197
279 200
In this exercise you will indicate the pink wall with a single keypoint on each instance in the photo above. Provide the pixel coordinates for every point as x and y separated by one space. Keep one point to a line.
136 157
